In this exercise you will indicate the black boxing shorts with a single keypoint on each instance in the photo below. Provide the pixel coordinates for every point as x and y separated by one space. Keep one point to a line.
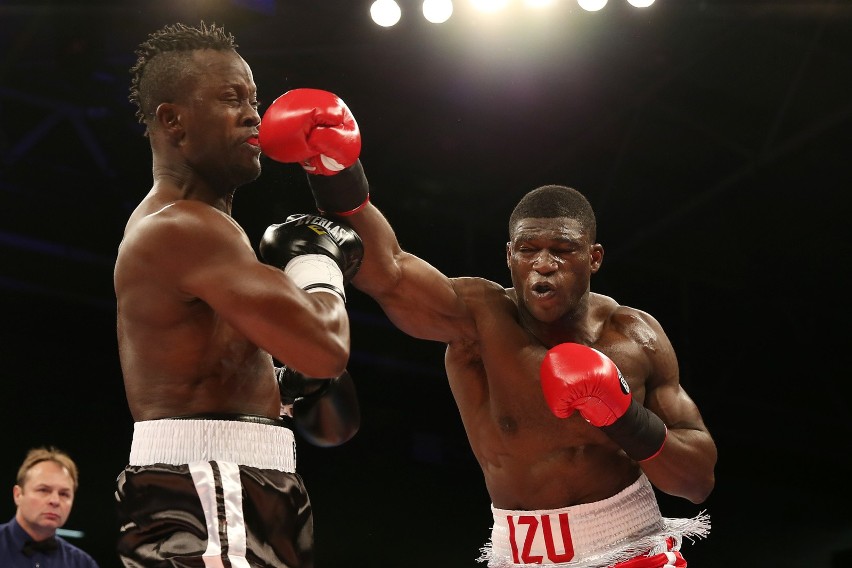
203 493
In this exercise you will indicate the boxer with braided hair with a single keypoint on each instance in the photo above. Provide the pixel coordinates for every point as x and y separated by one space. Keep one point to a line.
223 355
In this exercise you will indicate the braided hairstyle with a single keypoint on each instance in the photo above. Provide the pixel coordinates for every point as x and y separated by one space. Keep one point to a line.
165 61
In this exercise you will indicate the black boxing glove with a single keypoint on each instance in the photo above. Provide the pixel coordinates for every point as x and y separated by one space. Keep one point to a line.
293 385
317 253
325 412
343 193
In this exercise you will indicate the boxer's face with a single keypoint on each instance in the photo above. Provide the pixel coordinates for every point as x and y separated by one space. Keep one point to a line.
221 117
551 261
44 498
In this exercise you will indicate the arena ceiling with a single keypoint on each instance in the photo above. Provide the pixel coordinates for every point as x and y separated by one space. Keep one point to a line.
697 128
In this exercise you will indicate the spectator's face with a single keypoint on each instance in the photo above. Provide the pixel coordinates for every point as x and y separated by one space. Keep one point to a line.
44 499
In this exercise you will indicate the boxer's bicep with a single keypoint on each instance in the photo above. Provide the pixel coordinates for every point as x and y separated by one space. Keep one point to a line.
424 303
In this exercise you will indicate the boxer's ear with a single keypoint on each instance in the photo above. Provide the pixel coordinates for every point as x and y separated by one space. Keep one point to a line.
169 120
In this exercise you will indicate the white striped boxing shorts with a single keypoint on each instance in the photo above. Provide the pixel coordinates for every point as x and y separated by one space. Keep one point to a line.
625 530
219 492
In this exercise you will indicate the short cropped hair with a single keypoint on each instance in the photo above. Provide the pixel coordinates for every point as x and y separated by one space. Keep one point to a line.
164 60
48 453
555 201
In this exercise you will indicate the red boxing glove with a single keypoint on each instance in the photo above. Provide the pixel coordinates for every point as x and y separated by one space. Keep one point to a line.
576 377
313 128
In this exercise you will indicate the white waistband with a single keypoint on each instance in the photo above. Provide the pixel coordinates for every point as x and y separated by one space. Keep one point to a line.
178 441
623 526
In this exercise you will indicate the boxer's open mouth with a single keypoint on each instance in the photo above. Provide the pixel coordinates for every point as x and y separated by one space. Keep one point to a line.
542 288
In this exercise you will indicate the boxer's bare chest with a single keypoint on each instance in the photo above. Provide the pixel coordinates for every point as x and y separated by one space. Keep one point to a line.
495 381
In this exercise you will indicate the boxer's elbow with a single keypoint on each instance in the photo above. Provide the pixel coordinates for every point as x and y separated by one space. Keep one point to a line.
699 492
699 483
318 353
330 360
694 488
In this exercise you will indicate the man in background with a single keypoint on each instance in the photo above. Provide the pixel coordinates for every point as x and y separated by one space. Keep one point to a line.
44 494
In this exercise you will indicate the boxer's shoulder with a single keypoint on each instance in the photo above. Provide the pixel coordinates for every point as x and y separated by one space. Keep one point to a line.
485 299
481 294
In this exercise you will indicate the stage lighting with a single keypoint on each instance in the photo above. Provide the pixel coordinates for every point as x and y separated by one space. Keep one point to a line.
489 5
437 11
386 13
591 5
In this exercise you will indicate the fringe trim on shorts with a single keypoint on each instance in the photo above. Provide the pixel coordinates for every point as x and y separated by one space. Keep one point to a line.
693 529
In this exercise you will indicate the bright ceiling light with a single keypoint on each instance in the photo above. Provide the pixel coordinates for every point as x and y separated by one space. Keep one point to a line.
591 5
640 3
437 11
386 13
489 5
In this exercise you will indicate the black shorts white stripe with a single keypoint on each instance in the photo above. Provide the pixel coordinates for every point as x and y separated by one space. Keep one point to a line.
210 512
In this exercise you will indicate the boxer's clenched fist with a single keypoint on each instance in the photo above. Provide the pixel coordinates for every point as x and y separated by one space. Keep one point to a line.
313 128
317 253
576 377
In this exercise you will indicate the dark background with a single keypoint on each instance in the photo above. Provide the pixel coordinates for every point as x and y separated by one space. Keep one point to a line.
712 137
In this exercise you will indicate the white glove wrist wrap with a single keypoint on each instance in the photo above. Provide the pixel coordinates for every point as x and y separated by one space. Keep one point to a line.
316 273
